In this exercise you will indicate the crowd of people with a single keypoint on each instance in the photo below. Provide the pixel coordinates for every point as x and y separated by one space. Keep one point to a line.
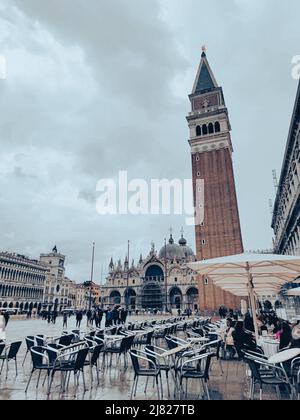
238 333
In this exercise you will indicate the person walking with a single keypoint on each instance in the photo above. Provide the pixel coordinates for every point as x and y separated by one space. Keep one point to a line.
88 317
6 318
54 316
100 313
2 328
78 319
109 318
65 320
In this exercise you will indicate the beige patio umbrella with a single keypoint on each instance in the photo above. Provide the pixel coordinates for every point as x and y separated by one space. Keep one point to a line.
251 275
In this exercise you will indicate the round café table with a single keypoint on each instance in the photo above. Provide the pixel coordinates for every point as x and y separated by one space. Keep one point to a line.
284 356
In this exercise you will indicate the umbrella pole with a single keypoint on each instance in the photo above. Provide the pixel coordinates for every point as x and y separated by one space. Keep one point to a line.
252 303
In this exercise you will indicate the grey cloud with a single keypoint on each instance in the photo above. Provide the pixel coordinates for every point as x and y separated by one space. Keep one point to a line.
90 91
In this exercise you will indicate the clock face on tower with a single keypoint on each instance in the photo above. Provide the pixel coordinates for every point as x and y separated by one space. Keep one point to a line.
208 101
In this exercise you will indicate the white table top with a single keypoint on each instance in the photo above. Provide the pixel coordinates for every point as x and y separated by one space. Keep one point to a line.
114 337
198 339
284 356
173 352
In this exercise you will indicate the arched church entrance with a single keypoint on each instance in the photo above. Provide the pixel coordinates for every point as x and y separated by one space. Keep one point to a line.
152 293
176 298
115 298
130 298
192 298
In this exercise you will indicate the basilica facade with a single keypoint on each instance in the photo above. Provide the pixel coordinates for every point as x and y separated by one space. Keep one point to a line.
160 281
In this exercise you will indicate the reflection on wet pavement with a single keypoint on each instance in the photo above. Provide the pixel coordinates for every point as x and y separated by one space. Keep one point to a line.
115 382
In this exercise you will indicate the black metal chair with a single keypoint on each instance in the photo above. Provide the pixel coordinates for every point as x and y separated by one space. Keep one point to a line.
30 342
276 376
11 354
2 348
40 340
75 364
192 369
144 340
154 357
294 375
151 371
38 355
93 362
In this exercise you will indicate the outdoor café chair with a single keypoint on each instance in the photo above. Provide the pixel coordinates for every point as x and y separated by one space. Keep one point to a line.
276 378
145 340
30 342
94 358
40 362
294 376
2 348
143 367
192 369
11 353
214 347
75 363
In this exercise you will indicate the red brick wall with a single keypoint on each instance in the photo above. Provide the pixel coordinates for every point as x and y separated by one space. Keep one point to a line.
221 230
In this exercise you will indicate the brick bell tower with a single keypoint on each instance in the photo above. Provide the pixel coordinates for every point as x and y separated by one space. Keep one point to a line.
220 233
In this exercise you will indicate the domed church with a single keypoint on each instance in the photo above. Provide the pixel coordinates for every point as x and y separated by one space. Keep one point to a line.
159 281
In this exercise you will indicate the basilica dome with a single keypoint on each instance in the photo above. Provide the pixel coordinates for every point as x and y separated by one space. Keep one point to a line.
173 251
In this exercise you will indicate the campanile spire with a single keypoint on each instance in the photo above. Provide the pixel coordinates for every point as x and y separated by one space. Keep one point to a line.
210 140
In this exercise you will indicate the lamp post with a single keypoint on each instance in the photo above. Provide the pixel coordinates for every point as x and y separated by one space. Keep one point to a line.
166 274
127 282
92 276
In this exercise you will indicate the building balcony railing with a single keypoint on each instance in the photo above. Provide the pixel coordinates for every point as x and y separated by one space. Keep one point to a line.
155 279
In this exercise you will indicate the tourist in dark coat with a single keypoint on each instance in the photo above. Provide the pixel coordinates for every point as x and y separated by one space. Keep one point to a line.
78 319
6 318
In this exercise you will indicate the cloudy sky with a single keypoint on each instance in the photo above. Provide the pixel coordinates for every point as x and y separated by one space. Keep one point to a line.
94 87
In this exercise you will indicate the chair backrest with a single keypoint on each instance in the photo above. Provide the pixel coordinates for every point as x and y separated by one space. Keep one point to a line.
81 358
37 355
30 342
40 340
129 342
254 367
66 340
135 361
2 347
149 337
124 344
52 354
96 354
13 350
90 340
171 344
99 339
149 351
207 366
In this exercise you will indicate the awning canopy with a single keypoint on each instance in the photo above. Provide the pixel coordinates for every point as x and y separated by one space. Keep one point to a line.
268 272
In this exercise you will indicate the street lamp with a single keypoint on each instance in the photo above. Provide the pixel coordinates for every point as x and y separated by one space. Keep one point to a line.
92 276
127 282
166 274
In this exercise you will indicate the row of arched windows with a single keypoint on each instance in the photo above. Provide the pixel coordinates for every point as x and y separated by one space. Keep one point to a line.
22 306
15 275
20 292
205 129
